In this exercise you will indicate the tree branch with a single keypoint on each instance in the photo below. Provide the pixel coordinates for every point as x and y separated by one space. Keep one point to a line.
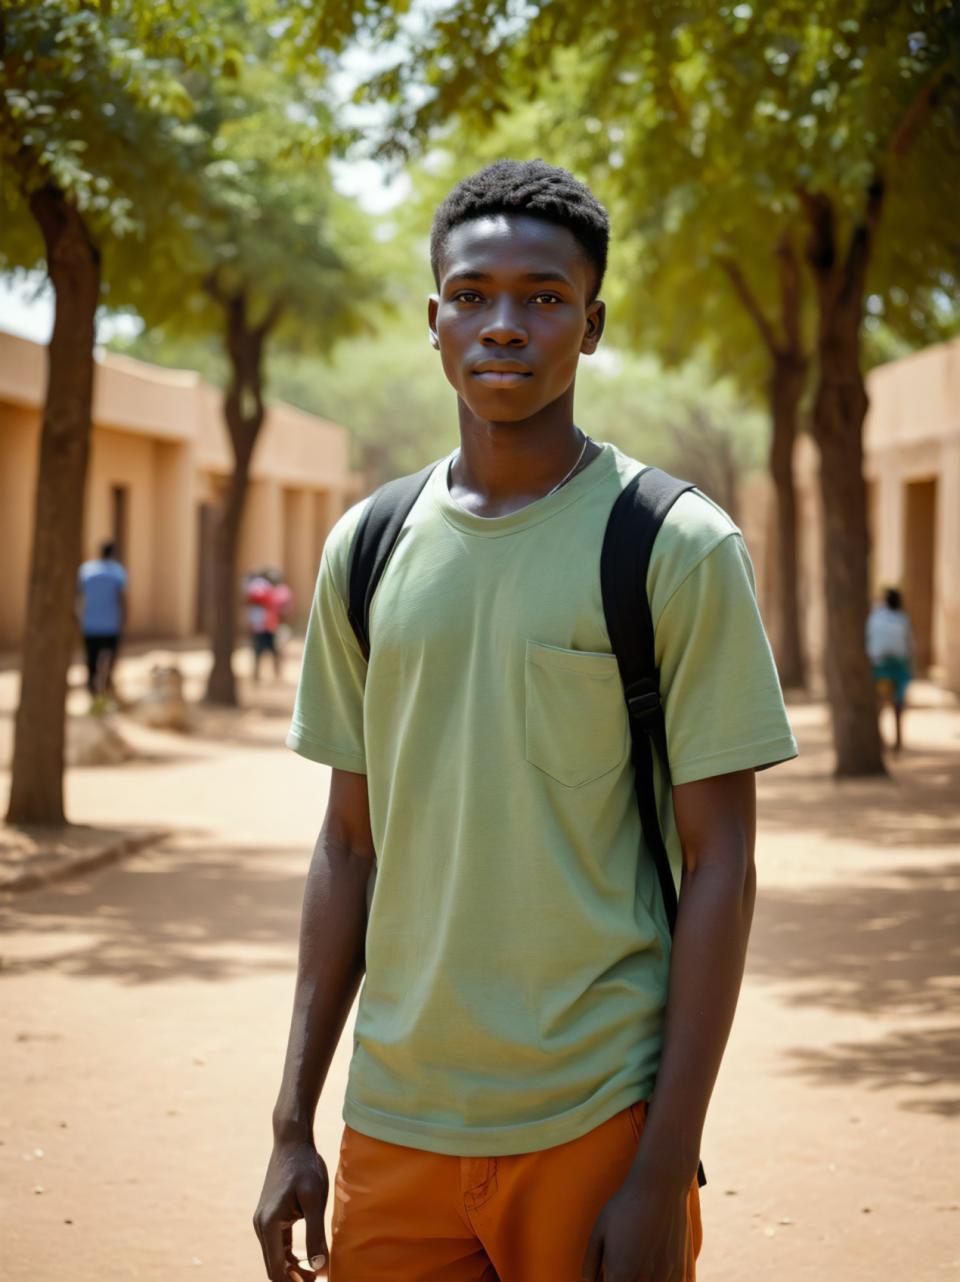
821 242
917 113
854 279
274 312
791 293
750 302
212 286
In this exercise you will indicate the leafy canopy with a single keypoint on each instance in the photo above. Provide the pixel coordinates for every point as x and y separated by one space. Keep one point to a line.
193 152
93 102
700 127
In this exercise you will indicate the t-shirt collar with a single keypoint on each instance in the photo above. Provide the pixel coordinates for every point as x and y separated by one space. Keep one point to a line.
533 513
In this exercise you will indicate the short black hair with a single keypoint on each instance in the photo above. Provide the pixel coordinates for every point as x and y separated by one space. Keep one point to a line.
108 550
893 599
530 187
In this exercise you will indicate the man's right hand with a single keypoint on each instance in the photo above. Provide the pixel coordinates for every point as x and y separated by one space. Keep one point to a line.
295 1188
330 966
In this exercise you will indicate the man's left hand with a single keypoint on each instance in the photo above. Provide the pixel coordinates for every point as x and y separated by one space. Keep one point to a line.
640 1235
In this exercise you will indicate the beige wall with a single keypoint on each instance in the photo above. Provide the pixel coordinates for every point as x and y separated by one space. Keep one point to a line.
19 441
124 459
175 541
286 527
912 467
261 534
159 435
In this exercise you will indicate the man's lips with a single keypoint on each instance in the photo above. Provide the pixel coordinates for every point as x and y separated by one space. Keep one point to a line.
502 373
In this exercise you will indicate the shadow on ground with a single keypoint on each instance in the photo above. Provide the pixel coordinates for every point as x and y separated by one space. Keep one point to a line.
260 725
925 1059
208 915
915 805
884 949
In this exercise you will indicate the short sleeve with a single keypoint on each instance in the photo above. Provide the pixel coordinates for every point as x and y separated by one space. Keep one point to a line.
327 721
722 699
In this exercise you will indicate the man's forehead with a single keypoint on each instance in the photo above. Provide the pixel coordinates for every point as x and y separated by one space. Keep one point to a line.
516 242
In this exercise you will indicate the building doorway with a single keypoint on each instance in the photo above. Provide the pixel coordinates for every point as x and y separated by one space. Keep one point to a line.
206 521
118 520
919 568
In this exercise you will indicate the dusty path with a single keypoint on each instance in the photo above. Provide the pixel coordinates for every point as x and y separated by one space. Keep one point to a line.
144 1010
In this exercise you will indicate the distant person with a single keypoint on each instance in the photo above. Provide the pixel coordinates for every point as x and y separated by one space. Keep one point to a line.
268 602
102 608
891 649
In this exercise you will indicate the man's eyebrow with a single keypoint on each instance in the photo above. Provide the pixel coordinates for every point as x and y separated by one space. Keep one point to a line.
469 273
545 276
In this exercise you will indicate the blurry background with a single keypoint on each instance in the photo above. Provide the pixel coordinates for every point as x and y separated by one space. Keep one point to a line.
213 246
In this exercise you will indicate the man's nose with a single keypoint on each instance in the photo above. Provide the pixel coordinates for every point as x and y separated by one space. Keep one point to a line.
504 327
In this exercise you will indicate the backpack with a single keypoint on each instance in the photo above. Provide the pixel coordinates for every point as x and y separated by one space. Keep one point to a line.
632 527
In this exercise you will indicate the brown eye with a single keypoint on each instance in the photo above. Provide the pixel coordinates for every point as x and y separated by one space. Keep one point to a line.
547 297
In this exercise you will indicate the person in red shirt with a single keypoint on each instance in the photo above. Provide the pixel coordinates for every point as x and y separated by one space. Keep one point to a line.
268 601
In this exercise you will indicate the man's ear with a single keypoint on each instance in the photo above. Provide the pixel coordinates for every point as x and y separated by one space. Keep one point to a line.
433 302
596 319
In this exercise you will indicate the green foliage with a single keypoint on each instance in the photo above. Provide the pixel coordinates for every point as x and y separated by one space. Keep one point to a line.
93 102
273 232
698 126
193 154
664 415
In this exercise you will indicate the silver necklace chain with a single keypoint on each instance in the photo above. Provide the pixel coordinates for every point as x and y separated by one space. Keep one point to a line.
583 450
559 485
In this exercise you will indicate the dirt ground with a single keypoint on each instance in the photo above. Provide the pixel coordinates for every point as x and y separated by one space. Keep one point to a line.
143 1012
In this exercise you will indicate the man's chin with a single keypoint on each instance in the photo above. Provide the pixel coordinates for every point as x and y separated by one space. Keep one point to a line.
501 408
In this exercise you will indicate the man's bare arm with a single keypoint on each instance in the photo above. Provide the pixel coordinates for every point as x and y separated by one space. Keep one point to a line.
330 968
716 821
641 1231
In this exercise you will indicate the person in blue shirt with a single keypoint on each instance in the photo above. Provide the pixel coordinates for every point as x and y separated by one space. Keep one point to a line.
102 606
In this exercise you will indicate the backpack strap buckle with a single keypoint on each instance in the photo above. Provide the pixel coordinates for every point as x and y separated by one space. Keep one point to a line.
643 699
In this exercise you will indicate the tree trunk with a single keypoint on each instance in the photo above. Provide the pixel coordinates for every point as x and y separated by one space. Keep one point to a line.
786 389
73 263
788 373
243 411
839 411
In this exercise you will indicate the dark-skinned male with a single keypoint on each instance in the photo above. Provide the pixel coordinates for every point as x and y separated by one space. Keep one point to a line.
533 1054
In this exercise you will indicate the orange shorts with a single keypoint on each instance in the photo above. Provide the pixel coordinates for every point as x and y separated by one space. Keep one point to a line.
404 1215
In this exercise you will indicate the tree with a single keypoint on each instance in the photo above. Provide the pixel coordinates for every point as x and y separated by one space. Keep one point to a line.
101 152
813 126
93 128
271 265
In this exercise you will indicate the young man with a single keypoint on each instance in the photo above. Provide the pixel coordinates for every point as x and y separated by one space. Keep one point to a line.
481 858
102 606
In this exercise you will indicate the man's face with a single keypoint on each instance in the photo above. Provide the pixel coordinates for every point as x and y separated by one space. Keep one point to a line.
512 316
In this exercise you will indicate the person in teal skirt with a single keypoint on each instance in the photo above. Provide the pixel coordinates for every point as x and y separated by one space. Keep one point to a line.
891 649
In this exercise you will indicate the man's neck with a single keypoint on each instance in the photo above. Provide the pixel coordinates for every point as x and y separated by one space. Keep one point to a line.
502 467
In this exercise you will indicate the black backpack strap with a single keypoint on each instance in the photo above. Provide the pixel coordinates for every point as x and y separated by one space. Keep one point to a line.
374 540
632 528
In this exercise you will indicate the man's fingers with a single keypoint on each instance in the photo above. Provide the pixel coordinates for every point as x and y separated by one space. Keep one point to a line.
276 1240
590 1268
313 1205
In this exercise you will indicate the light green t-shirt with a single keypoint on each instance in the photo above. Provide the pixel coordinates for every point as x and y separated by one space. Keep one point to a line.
517 946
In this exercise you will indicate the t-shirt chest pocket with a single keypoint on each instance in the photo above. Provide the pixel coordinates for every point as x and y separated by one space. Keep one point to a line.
575 717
